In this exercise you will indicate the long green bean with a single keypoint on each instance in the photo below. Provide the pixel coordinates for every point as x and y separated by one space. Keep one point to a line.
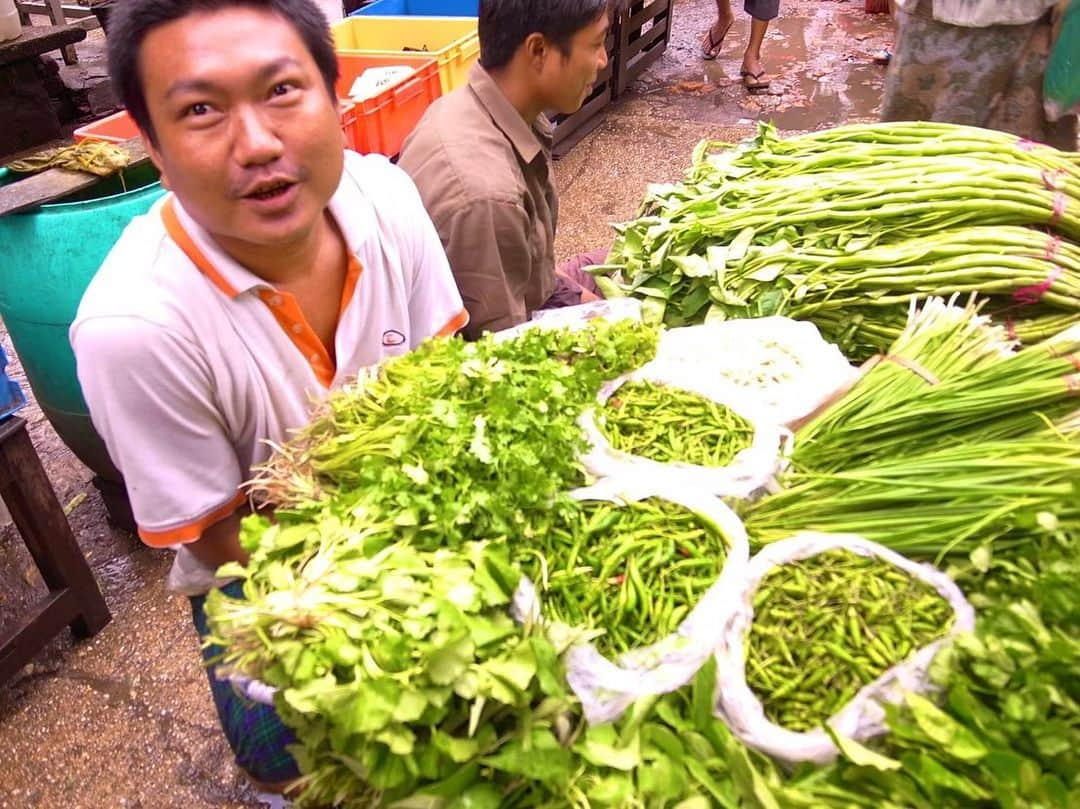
845 227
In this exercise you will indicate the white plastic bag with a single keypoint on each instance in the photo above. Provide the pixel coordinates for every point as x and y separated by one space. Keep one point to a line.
776 368
577 317
861 718
607 688
750 471
376 79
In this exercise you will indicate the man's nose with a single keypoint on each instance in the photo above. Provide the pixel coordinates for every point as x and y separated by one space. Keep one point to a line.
255 141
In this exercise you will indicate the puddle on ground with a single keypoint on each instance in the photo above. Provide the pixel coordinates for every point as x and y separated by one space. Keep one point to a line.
818 54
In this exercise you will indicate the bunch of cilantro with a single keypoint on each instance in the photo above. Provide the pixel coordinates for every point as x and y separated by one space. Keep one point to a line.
459 441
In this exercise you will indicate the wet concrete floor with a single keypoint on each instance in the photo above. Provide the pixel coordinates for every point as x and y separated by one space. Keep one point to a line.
125 719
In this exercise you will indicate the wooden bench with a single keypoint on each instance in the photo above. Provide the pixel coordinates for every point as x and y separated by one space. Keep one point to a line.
39 39
74 598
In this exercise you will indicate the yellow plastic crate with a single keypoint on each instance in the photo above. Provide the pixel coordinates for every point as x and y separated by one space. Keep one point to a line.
453 41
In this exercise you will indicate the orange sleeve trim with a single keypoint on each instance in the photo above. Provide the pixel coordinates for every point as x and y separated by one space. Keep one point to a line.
456 324
193 530
191 250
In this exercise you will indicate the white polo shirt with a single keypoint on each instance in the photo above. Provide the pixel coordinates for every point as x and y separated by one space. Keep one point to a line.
190 363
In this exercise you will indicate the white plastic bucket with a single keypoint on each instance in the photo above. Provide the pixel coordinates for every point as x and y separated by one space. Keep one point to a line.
10 27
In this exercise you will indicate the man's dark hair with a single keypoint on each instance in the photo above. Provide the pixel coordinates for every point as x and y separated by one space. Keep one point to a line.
506 24
132 20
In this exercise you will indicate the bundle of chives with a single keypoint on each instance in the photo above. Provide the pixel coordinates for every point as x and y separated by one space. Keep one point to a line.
933 502
949 441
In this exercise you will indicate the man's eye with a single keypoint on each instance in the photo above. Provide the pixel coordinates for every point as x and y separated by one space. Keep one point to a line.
281 88
198 109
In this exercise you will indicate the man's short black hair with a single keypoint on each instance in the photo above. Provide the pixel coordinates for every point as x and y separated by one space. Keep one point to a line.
132 20
505 25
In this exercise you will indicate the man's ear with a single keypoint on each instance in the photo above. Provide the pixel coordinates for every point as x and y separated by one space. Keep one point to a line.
155 158
536 50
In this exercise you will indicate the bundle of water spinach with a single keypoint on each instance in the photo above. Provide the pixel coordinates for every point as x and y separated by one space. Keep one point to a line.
844 227
828 625
666 424
630 573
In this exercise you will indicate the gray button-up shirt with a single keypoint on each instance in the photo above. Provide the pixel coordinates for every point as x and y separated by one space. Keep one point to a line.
485 177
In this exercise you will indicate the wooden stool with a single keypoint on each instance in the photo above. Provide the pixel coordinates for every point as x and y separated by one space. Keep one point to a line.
74 598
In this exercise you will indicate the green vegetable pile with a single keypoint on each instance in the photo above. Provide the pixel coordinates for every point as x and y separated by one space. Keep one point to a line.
378 601
457 441
946 444
845 227
826 626
666 424
397 666
1007 730
630 573
951 448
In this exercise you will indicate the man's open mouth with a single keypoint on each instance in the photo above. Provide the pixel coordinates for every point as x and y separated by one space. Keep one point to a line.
270 190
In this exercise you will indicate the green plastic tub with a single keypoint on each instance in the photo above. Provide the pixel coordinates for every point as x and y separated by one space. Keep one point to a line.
50 255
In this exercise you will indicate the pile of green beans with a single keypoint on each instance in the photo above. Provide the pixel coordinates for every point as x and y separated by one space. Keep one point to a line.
632 571
666 424
826 626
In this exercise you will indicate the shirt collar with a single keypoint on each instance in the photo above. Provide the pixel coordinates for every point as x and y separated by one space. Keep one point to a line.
528 141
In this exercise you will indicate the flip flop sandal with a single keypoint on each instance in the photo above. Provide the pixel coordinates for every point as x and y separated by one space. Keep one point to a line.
710 48
752 81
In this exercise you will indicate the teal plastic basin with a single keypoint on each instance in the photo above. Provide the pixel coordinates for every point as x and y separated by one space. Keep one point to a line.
49 256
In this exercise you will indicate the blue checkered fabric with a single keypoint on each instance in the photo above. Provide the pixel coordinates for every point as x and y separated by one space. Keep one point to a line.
256 734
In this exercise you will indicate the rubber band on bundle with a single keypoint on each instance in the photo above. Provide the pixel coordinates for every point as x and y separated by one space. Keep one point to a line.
1027 296
1061 204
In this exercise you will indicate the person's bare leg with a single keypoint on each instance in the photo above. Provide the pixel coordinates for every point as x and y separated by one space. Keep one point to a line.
714 37
752 58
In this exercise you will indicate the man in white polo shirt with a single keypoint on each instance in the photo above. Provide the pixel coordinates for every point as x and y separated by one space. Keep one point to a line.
278 266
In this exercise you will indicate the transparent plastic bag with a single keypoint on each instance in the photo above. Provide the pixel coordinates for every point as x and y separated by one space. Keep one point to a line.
608 687
863 716
750 471
779 369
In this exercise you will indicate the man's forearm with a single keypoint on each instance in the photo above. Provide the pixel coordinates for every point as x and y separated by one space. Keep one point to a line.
220 543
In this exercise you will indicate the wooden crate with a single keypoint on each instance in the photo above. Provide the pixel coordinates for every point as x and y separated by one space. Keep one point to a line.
643 29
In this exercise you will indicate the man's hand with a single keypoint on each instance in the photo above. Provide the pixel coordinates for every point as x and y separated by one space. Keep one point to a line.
220 543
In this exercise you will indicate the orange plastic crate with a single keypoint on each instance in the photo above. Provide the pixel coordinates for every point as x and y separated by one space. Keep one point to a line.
117 128
385 120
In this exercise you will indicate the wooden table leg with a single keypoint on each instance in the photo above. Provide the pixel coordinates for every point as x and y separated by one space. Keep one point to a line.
56 14
40 519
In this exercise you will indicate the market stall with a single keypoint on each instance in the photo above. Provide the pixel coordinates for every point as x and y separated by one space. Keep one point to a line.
824 558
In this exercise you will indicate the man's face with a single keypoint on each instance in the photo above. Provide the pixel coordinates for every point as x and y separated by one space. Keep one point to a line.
247 135
567 79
